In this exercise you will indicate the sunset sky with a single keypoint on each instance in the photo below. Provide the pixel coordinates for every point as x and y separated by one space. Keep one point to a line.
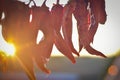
107 38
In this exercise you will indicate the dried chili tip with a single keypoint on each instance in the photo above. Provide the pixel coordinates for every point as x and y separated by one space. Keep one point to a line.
80 47
74 61
75 52
44 69
41 64
48 71
94 52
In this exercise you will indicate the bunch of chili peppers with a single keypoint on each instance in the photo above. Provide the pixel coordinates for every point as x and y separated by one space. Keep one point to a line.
19 29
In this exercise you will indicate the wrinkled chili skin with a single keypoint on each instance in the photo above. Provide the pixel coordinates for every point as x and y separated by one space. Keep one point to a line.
67 24
99 15
81 15
86 32
43 50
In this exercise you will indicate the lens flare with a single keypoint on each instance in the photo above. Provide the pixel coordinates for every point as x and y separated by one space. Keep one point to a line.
11 50
113 70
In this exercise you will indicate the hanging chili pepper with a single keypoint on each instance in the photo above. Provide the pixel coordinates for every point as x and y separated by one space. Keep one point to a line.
57 16
98 15
15 18
67 24
63 47
15 28
41 21
81 14
98 10
94 52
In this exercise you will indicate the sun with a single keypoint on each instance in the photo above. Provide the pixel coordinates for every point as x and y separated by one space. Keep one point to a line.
11 49
8 49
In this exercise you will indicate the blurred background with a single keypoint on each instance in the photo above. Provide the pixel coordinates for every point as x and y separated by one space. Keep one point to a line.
85 68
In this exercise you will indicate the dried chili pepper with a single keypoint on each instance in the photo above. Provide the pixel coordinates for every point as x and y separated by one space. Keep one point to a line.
15 29
94 52
57 16
81 14
44 48
98 10
98 15
15 18
63 47
67 24
16 22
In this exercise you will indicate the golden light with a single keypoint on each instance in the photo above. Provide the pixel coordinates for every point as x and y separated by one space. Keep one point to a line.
6 47
11 49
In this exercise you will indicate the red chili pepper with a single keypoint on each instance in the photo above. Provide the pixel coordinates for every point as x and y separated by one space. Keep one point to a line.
63 47
16 22
57 16
39 16
44 48
98 10
94 52
41 63
15 19
67 25
98 15
15 28
42 66
81 15
85 31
